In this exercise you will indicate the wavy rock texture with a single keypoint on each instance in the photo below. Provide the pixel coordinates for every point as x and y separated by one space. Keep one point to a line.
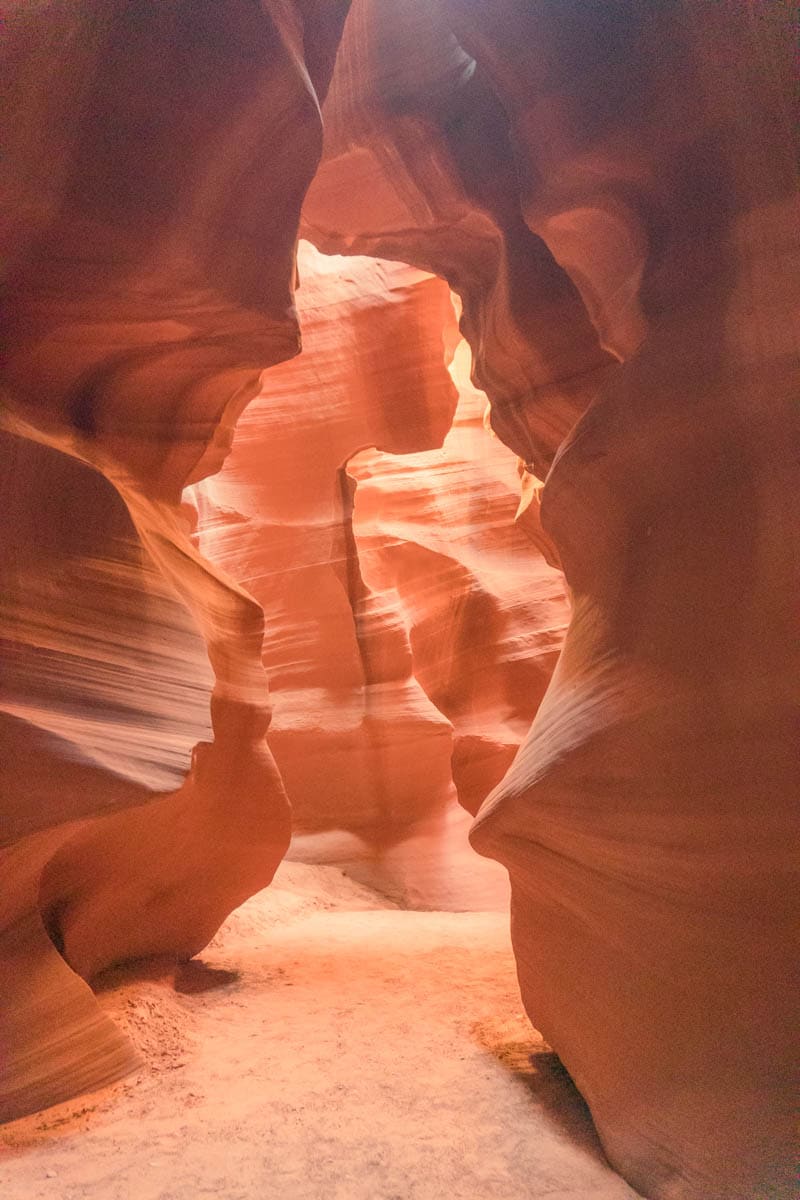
151 262
436 535
610 190
409 621
419 166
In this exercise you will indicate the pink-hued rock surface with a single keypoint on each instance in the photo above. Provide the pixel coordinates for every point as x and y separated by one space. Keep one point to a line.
611 191
444 534
412 627
144 193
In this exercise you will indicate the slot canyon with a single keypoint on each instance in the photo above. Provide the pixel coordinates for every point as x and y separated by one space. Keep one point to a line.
400 539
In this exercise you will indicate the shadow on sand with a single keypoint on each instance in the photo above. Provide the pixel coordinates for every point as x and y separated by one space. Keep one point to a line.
188 978
540 1071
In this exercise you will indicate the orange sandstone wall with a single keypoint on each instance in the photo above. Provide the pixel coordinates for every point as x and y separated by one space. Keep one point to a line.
150 268
412 627
611 189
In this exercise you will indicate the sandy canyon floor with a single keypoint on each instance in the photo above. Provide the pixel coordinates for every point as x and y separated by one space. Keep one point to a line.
324 1047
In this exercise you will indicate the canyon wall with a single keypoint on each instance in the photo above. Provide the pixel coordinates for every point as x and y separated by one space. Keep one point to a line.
610 190
413 626
150 250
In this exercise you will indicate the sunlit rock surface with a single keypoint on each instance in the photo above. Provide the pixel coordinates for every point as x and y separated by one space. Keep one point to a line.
411 627
485 614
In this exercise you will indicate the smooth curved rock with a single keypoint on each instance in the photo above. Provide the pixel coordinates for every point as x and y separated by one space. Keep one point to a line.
358 743
646 150
412 627
151 267
610 189
485 614
418 165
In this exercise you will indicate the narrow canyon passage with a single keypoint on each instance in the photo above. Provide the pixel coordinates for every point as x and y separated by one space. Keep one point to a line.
399 443
411 620
323 1045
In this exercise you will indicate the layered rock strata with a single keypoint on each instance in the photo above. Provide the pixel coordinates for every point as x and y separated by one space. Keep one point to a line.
611 190
146 192
412 626
445 536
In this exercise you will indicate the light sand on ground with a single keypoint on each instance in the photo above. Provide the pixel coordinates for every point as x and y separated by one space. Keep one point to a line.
325 1047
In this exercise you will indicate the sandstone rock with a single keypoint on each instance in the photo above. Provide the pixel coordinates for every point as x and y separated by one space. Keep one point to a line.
146 194
368 564
610 189
485 614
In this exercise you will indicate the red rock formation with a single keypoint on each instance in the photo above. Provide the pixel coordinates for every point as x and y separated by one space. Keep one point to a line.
485 614
419 166
609 188
388 580
147 194
359 744
646 821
